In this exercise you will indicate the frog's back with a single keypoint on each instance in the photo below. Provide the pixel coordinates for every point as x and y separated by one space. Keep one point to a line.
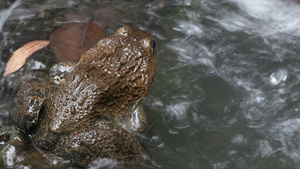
108 80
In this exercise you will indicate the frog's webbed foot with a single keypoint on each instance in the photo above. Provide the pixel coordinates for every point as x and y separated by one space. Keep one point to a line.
30 99
105 139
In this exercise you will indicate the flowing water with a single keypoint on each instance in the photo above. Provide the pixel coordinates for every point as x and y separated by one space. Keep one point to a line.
225 94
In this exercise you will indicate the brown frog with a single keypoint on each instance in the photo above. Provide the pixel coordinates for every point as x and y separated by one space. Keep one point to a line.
94 110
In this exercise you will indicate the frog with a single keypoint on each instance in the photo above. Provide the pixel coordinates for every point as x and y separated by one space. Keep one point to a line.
94 108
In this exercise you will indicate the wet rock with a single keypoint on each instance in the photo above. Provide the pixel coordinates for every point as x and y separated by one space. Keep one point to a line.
6 3
4 138
16 151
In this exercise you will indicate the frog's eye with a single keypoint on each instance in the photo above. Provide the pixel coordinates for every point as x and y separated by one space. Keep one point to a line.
153 45
125 31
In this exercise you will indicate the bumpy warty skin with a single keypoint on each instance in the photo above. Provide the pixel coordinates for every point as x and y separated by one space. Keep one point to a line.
83 117
106 83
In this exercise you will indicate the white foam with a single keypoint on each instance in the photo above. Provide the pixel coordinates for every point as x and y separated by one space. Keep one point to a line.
10 156
189 28
103 163
263 17
187 47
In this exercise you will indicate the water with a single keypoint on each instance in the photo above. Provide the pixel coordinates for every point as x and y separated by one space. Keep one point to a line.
225 93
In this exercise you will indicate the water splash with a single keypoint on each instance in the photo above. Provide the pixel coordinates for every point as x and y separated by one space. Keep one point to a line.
10 155
278 76
268 18
103 163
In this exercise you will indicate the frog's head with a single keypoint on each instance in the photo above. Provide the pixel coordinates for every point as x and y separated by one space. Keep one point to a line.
126 57
139 53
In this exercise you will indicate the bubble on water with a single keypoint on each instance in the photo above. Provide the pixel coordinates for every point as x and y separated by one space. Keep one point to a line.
278 76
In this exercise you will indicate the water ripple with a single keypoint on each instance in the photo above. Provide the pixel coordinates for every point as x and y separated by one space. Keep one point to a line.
258 16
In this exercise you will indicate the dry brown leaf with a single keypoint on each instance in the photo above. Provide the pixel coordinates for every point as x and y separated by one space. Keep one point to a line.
73 39
82 31
18 59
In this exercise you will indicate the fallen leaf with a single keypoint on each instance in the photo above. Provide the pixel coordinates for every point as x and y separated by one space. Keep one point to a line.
18 59
73 39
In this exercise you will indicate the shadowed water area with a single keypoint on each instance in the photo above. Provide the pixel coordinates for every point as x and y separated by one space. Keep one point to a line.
225 93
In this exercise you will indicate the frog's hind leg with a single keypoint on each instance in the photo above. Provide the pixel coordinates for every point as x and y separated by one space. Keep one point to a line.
102 140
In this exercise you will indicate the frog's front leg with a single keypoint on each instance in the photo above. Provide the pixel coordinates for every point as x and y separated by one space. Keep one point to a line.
30 98
104 139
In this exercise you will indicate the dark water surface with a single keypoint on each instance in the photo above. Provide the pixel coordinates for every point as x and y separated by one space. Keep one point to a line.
225 94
